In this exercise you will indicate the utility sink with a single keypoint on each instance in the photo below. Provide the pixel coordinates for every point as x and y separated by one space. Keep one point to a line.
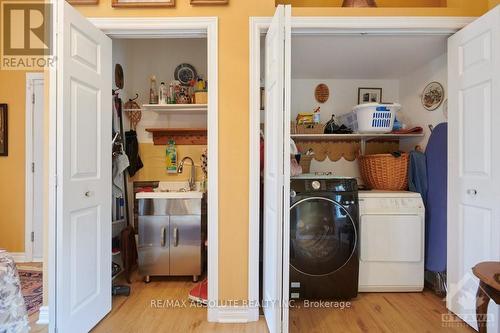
172 190
169 231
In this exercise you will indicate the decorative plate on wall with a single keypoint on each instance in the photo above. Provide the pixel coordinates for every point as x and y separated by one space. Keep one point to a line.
321 93
185 73
432 96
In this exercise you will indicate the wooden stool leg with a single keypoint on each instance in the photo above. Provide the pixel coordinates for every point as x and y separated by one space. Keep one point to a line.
482 301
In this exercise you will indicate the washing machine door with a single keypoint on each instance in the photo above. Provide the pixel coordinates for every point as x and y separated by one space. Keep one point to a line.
323 236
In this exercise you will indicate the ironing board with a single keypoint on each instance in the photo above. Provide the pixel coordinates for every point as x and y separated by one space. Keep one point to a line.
437 173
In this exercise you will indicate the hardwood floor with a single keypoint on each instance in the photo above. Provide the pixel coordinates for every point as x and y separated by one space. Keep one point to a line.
142 311
378 312
371 312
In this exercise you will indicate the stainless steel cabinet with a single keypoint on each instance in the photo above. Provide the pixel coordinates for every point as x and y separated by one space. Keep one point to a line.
169 237
154 249
185 245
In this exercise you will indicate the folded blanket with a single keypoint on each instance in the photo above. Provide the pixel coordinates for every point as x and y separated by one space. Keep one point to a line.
13 317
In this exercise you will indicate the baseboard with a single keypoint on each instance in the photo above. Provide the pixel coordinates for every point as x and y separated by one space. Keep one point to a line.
43 315
18 256
233 314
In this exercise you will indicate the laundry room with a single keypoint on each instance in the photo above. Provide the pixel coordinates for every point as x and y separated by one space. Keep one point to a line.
368 139
160 163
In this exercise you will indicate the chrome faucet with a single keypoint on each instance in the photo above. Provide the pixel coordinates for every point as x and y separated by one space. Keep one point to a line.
192 183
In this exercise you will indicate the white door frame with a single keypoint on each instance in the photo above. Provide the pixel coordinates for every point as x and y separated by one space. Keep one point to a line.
314 26
154 27
29 186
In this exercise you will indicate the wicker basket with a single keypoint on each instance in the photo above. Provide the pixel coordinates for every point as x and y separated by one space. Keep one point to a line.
305 163
307 128
384 171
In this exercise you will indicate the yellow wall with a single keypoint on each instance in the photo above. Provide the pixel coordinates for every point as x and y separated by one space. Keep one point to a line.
12 182
233 121
153 158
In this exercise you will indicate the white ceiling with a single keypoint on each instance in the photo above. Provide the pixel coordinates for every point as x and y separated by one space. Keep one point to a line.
362 56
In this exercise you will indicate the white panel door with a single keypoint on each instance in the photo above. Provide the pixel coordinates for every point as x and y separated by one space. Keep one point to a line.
276 170
474 160
83 253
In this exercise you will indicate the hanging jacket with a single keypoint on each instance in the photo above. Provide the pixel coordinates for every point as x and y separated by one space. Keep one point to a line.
132 151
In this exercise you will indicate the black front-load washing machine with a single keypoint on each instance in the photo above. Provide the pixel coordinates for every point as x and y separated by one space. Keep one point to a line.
324 234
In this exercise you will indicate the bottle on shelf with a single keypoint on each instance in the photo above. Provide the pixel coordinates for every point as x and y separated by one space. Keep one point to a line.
163 94
171 93
153 91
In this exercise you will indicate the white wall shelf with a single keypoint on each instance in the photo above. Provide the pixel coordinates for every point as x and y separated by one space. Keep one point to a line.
173 108
363 138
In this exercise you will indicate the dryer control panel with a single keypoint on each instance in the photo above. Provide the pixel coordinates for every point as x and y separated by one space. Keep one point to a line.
391 205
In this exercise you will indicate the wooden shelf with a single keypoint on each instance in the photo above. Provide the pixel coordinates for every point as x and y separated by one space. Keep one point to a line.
181 136
342 137
362 138
174 108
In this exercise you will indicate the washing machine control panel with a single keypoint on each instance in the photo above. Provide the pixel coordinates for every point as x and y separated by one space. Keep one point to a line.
326 185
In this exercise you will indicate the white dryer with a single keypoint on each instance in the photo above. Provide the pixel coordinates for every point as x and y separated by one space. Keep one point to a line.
392 241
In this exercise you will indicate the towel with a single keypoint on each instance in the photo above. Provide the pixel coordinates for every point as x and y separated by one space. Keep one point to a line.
120 164
417 174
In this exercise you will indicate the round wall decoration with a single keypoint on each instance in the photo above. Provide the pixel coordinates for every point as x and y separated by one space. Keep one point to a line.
433 96
321 93
185 73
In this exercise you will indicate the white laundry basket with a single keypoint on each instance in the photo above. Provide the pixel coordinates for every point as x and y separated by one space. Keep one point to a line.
375 117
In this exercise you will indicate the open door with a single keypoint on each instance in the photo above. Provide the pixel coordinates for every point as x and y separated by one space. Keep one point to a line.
83 218
474 161
277 171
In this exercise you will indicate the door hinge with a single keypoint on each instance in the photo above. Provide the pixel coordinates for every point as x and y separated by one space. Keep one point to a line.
32 236
33 167
33 98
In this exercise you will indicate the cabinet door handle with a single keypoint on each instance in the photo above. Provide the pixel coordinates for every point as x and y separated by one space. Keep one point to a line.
162 241
176 236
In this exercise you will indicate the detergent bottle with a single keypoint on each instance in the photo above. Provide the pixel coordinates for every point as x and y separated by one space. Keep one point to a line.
171 157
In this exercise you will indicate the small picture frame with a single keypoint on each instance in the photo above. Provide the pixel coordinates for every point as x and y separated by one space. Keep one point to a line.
142 3
209 2
4 132
369 95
